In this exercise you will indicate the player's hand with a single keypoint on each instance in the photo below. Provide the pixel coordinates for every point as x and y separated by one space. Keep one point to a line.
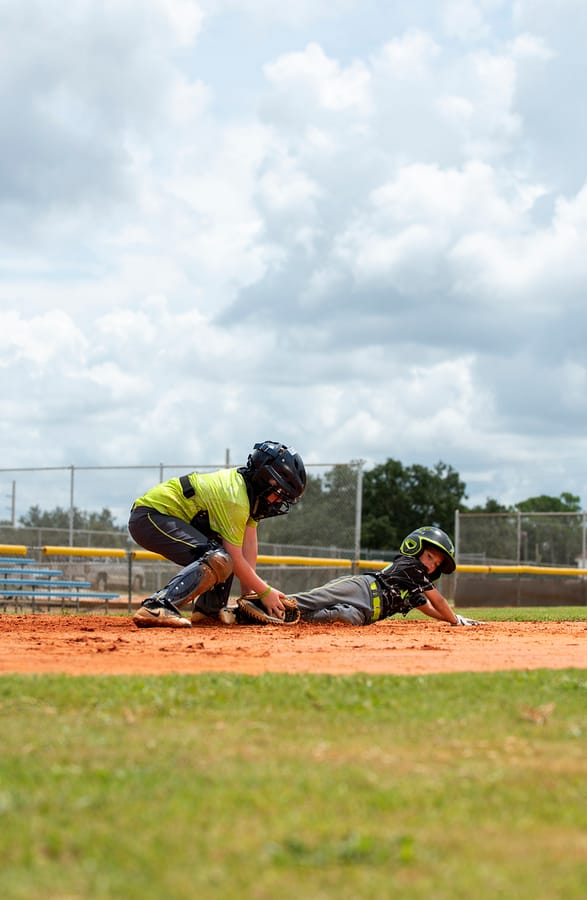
461 620
272 603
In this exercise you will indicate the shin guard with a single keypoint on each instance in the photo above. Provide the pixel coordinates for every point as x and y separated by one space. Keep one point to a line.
213 567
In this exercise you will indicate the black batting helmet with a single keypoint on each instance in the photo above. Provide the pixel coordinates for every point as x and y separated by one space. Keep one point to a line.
431 536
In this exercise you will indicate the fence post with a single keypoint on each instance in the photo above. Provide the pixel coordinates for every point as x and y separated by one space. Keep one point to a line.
71 504
129 556
518 554
358 514
583 560
457 533
518 537
453 579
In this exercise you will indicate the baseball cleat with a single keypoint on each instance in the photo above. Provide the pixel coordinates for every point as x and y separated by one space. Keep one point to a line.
154 614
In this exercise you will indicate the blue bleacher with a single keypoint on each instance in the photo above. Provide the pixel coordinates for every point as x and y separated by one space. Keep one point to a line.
29 571
18 560
25 584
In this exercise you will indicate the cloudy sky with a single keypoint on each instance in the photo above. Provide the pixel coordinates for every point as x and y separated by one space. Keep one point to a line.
356 226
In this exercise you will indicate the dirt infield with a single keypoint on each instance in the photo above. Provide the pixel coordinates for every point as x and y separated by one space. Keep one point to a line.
112 645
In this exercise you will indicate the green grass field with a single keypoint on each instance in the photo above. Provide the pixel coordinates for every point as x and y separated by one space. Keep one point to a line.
277 787
528 613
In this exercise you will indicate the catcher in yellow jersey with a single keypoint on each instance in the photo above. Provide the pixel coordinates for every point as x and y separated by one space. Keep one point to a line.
207 523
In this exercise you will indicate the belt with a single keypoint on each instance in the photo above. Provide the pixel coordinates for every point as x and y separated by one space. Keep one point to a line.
187 487
375 601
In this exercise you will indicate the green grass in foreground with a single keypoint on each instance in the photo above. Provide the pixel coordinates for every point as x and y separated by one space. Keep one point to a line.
526 613
279 787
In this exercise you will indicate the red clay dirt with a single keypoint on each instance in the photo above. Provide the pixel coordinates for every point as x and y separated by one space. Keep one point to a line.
112 645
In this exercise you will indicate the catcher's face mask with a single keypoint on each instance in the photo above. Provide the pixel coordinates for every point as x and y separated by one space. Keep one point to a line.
269 504
276 478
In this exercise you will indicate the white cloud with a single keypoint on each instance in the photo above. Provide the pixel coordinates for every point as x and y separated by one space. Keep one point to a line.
184 17
41 340
408 57
530 47
470 20
532 263
296 14
118 383
317 79
427 217
335 222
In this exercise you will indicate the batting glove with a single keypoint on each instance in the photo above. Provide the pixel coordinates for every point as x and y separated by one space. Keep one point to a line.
461 620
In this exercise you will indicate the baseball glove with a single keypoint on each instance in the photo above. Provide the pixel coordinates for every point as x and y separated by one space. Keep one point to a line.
250 611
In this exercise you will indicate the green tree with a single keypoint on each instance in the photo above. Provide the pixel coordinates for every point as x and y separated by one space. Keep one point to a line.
397 499
59 518
491 506
96 528
324 517
565 502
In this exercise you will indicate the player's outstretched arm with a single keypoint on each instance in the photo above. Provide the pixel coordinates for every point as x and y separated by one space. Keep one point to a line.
429 610
438 608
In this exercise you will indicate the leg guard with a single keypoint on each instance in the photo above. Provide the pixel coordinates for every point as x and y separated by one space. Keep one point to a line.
215 599
212 568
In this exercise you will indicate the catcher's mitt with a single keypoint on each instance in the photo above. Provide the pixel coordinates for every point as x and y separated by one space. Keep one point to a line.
250 611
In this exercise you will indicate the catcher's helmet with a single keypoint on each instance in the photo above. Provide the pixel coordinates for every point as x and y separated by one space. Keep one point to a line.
431 536
273 468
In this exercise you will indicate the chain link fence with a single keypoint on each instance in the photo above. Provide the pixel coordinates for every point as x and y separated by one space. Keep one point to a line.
515 538
328 516
551 540
325 523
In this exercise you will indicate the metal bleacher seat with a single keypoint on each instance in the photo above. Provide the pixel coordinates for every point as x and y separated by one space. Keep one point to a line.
25 585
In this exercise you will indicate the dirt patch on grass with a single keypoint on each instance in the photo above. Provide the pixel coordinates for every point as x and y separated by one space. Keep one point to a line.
112 645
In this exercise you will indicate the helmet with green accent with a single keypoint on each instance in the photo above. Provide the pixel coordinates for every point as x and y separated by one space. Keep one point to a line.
431 536
277 471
